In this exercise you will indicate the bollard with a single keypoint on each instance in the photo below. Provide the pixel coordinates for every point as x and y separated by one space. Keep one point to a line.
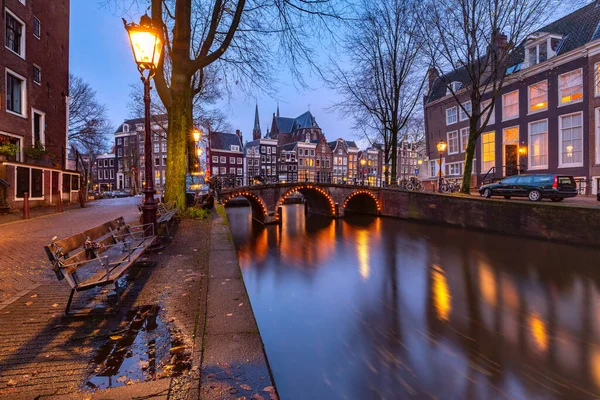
59 203
26 206
81 199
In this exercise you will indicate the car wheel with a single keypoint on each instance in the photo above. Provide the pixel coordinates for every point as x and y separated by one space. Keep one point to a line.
535 195
487 193
507 197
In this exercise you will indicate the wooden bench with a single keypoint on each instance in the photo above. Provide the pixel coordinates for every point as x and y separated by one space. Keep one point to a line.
165 215
98 256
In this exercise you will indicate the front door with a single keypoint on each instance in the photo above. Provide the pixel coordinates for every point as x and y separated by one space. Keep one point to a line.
511 156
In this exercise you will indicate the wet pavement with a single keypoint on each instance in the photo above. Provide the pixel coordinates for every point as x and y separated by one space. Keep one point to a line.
369 308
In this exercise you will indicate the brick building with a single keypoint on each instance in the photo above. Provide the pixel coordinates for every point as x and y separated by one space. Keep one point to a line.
261 160
546 117
105 172
408 156
323 157
34 90
289 130
288 163
370 171
129 153
225 155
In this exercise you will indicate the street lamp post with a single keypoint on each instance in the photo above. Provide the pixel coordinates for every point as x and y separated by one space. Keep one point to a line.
147 49
441 147
364 170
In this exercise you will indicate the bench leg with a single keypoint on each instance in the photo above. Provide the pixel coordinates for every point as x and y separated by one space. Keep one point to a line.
69 302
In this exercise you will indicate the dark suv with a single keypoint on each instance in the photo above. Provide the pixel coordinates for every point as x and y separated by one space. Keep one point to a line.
534 187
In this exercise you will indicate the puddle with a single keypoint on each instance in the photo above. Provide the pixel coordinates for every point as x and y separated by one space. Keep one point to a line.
144 349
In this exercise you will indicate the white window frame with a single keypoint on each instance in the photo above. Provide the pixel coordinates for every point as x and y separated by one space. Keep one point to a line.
223 160
463 115
23 33
560 133
529 110
30 183
597 79
457 142
42 126
460 139
529 144
460 165
455 115
492 111
560 103
504 117
35 18
215 159
484 170
33 75
597 133
23 113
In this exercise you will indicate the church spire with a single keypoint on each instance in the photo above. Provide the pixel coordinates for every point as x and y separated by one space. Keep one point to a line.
256 132
278 109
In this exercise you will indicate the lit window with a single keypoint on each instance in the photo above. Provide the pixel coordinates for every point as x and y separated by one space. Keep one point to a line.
538 145
465 115
510 105
451 116
488 144
452 142
570 88
571 140
538 97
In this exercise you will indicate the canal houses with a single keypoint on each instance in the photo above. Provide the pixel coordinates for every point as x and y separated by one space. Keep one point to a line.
261 160
225 155
546 117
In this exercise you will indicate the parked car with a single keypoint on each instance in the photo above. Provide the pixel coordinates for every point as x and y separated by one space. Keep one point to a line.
534 187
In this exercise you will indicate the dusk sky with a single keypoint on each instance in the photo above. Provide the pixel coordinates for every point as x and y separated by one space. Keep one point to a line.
101 55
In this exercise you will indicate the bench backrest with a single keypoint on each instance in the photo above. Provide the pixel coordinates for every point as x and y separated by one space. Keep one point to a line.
71 250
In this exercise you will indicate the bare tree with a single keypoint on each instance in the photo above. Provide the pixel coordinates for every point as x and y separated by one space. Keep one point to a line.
89 126
478 39
245 40
380 82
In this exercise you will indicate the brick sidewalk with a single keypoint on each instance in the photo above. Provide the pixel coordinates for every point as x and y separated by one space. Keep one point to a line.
42 354
23 263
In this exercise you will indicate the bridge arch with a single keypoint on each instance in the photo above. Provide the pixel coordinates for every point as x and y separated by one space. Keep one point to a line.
362 200
259 209
318 199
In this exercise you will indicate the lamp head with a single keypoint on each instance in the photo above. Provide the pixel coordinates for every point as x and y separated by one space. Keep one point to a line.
146 43
441 146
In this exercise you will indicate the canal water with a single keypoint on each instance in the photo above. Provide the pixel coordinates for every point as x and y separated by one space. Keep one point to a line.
374 308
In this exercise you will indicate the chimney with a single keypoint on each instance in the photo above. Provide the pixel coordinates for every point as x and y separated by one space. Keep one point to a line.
499 45
239 133
432 75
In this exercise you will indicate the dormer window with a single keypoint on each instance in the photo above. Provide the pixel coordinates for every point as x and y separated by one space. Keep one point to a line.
453 87
540 49
235 148
125 128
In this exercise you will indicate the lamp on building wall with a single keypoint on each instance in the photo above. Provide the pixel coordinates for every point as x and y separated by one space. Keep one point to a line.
441 147
147 47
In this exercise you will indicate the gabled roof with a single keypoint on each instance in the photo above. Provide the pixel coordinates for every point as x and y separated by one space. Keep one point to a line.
289 146
160 118
577 29
351 144
284 124
250 145
224 141
306 120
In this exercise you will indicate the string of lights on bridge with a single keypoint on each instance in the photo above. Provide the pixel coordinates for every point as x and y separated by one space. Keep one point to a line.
247 195
362 192
318 189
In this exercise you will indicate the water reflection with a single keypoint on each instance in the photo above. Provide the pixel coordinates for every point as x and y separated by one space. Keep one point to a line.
371 308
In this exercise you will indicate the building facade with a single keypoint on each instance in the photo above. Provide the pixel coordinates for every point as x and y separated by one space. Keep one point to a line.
545 119
324 173
34 90
288 163
105 172
261 160
225 155
408 156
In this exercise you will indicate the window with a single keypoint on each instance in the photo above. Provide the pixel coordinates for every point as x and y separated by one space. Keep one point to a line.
312 153
232 171
156 146
164 147
263 149
490 111
112 173
432 168
215 159
37 74
300 152
112 162
231 160
15 34
488 144
453 142
239 160
597 79
223 170
15 93
239 171
570 87
464 139
164 161
455 168
465 115
597 135
268 150
510 105
119 141
37 28
125 141
451 117
571 140
120 152
29 180
538 97
38 128
125 128
223 159
538 145
537 54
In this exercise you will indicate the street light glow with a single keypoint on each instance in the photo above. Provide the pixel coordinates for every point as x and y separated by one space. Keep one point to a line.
145 43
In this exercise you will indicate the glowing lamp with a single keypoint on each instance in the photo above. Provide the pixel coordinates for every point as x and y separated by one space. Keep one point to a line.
146 43
197 135
441 146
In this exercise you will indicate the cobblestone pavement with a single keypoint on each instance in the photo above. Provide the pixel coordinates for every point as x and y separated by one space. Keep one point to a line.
23 263
45 356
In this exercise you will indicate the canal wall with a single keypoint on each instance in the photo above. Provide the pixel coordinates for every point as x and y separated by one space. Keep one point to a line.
564 223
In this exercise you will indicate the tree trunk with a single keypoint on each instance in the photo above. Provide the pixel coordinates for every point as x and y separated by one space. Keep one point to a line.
394 156
471 146
180 127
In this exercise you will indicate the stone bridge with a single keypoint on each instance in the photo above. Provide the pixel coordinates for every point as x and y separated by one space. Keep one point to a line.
321 198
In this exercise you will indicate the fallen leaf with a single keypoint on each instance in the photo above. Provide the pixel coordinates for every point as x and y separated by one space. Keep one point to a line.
245 386
116 337
55 305
268 389
177 349
34 296
11 382
29 303
229 315
241 304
